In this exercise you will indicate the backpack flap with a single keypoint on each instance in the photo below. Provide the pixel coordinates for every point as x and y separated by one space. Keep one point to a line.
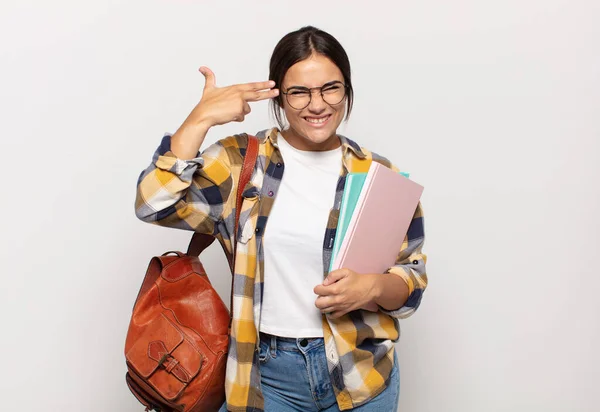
163 357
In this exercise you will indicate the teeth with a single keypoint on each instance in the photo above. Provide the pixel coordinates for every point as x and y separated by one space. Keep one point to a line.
320 120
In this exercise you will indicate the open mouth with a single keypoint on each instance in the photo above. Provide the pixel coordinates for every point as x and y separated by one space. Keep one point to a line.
317 121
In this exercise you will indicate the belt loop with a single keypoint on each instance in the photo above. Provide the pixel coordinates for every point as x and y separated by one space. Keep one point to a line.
273 346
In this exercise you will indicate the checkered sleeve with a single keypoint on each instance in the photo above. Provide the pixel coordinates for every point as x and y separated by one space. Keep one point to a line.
185 194
410 266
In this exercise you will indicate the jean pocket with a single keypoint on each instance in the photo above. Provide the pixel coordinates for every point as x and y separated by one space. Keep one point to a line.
264 352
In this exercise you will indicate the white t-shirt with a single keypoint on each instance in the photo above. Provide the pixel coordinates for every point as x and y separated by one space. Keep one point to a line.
293 241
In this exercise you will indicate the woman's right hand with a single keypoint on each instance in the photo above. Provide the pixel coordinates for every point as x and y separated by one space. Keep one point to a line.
218 105
221 105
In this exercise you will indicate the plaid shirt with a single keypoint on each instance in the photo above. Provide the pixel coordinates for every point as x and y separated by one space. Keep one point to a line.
199 195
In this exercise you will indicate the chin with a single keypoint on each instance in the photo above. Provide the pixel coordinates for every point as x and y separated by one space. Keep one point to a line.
319 136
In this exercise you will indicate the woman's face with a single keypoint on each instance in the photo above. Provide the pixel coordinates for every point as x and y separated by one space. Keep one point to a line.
313 127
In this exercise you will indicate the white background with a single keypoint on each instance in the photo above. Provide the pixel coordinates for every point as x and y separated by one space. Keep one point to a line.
492 106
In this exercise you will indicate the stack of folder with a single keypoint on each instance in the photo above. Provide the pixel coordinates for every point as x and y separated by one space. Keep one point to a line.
376 211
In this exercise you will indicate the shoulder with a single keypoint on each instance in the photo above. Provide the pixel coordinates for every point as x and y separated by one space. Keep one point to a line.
363 155
233 148
230 149
239 141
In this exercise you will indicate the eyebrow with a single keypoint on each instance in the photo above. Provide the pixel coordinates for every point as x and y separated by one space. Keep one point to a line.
325 85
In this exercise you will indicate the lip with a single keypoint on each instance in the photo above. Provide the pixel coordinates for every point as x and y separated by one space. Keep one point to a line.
318 125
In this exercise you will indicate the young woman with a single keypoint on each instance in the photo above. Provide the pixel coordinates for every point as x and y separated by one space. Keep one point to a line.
302 339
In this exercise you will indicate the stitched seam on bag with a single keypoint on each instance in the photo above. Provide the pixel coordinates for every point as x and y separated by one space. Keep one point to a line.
182 276
193 344
183 340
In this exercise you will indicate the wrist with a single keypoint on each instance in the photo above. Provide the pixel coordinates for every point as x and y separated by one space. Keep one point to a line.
376 289
198 127
204 123
186 141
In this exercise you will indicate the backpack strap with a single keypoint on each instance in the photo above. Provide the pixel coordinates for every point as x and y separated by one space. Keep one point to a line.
201 241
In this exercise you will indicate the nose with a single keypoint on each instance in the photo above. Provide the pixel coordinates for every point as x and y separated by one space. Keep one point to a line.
317 104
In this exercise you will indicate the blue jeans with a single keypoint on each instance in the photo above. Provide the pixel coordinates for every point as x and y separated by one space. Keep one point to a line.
294 378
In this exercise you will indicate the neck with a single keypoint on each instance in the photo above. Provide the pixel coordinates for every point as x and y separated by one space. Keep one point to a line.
301 143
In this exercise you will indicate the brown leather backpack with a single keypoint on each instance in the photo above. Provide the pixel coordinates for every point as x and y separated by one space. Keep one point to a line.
176 346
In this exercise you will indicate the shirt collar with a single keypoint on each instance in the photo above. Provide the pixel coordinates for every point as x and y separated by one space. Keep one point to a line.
347 144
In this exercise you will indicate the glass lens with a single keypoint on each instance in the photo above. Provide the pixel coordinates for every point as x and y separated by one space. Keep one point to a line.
334 93
298 98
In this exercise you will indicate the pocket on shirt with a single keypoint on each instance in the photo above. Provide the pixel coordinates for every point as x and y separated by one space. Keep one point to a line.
250 205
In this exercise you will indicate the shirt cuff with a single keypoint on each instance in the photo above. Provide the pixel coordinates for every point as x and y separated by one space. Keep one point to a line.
166 160
408 308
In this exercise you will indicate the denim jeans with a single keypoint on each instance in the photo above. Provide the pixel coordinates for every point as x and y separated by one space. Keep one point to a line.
294 378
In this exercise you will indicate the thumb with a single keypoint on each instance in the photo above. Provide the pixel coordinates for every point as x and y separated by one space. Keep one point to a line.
334 276
209 77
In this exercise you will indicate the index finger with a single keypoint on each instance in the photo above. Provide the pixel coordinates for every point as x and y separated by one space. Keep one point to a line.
256 86
322 290
255 96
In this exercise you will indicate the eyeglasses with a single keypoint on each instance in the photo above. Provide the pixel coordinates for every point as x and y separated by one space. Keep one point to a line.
300 97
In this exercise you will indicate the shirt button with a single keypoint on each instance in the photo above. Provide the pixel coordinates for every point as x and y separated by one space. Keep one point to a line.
257 230
415 262
278 164
303 343
271 193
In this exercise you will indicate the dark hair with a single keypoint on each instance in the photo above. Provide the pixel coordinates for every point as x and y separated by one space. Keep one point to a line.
300 45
